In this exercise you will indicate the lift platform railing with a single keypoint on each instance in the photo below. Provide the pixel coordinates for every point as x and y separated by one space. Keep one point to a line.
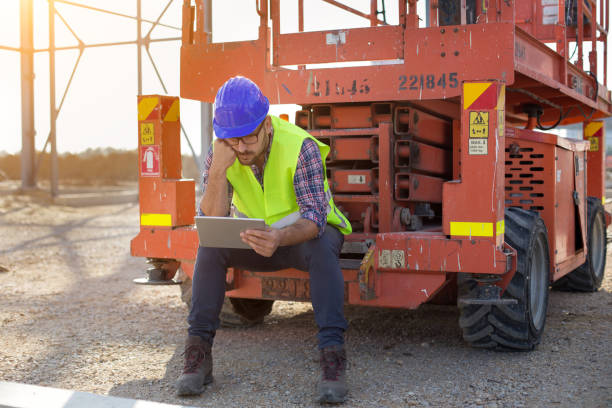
550 23
498 39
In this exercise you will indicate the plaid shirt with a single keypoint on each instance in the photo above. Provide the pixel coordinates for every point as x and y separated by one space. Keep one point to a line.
307 182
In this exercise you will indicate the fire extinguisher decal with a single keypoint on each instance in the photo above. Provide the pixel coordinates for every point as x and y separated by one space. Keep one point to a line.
149 161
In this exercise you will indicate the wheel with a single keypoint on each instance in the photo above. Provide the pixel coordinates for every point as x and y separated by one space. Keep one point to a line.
513 326
588 276
236 312
249 311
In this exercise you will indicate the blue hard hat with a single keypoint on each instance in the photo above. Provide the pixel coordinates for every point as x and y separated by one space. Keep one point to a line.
239 108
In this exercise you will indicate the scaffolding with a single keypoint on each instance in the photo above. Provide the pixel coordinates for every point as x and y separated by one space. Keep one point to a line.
30 162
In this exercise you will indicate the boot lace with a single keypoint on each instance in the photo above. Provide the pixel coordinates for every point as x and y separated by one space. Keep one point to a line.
332 364
194 355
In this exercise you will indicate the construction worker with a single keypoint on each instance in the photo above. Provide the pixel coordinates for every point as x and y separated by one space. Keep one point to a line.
264 167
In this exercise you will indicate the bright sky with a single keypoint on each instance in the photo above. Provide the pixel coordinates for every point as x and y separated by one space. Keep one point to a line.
100 107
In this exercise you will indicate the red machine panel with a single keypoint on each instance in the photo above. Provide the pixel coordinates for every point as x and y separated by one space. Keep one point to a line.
170 198
354 181
351 116
422 157
545 173
594 132
417 187
166 200
362 148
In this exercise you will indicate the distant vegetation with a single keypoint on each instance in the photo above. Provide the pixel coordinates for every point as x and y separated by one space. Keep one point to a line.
92 167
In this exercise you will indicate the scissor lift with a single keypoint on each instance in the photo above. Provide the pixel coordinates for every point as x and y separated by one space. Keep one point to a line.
437 157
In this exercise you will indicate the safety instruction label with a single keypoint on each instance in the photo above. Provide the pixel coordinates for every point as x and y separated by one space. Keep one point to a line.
478 147
149 161
398 259
391 259
594 144
356 179
479 124
147 133
384 259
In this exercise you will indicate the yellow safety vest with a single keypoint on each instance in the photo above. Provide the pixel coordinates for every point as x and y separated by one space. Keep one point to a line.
277 203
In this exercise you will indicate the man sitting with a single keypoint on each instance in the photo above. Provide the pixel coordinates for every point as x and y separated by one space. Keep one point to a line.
268 168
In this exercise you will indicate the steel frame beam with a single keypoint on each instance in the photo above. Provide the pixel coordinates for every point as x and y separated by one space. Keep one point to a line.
138 18
31 163
372 16
28 180
52 107
206 113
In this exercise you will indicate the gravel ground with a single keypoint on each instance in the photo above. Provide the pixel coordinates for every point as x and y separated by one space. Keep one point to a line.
71 318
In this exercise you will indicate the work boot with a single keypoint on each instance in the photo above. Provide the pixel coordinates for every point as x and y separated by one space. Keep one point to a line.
198 367
332 386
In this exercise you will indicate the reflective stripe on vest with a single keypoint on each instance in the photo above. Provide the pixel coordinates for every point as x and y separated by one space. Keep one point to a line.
294 216
277 203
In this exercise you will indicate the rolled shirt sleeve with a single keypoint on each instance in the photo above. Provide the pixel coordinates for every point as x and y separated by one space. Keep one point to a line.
308 183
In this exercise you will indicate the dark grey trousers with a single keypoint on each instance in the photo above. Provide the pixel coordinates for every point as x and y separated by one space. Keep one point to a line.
318 256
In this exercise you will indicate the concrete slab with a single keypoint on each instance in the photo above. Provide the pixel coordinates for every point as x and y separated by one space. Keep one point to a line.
15 395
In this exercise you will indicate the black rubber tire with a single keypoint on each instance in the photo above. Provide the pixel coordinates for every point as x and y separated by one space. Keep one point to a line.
515 326
236 312
588 276
252 311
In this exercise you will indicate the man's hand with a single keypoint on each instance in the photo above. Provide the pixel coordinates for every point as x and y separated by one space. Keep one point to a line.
264 242
215 202
223 157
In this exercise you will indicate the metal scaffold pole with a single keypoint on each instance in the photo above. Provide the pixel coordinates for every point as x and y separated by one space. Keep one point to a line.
30 160
28 179
139 43
52 106
206 108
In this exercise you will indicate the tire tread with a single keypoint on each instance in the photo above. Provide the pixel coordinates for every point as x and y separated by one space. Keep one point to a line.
506 327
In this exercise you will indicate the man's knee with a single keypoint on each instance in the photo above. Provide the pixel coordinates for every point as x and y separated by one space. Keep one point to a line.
327 245
212 257
211 253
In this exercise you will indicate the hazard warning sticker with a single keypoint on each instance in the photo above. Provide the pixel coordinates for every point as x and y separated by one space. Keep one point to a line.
149 161
479 124
478 147
147 134
594 144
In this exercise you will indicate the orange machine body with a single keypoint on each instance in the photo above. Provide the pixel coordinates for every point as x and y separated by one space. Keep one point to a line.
427 142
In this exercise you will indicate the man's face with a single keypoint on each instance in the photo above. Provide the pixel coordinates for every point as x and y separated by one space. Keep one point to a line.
251 148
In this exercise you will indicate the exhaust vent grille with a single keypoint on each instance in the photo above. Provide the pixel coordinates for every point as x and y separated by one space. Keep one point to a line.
524 174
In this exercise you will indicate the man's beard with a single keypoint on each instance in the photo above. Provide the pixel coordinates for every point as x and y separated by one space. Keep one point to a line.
246 160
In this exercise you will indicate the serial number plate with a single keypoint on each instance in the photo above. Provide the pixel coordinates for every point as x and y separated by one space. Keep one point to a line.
289 289
414 82
427 81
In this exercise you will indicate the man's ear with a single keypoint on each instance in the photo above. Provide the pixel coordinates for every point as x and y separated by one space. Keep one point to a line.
268 124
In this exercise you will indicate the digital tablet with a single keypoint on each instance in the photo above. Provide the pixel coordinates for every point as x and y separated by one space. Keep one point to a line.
224 232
